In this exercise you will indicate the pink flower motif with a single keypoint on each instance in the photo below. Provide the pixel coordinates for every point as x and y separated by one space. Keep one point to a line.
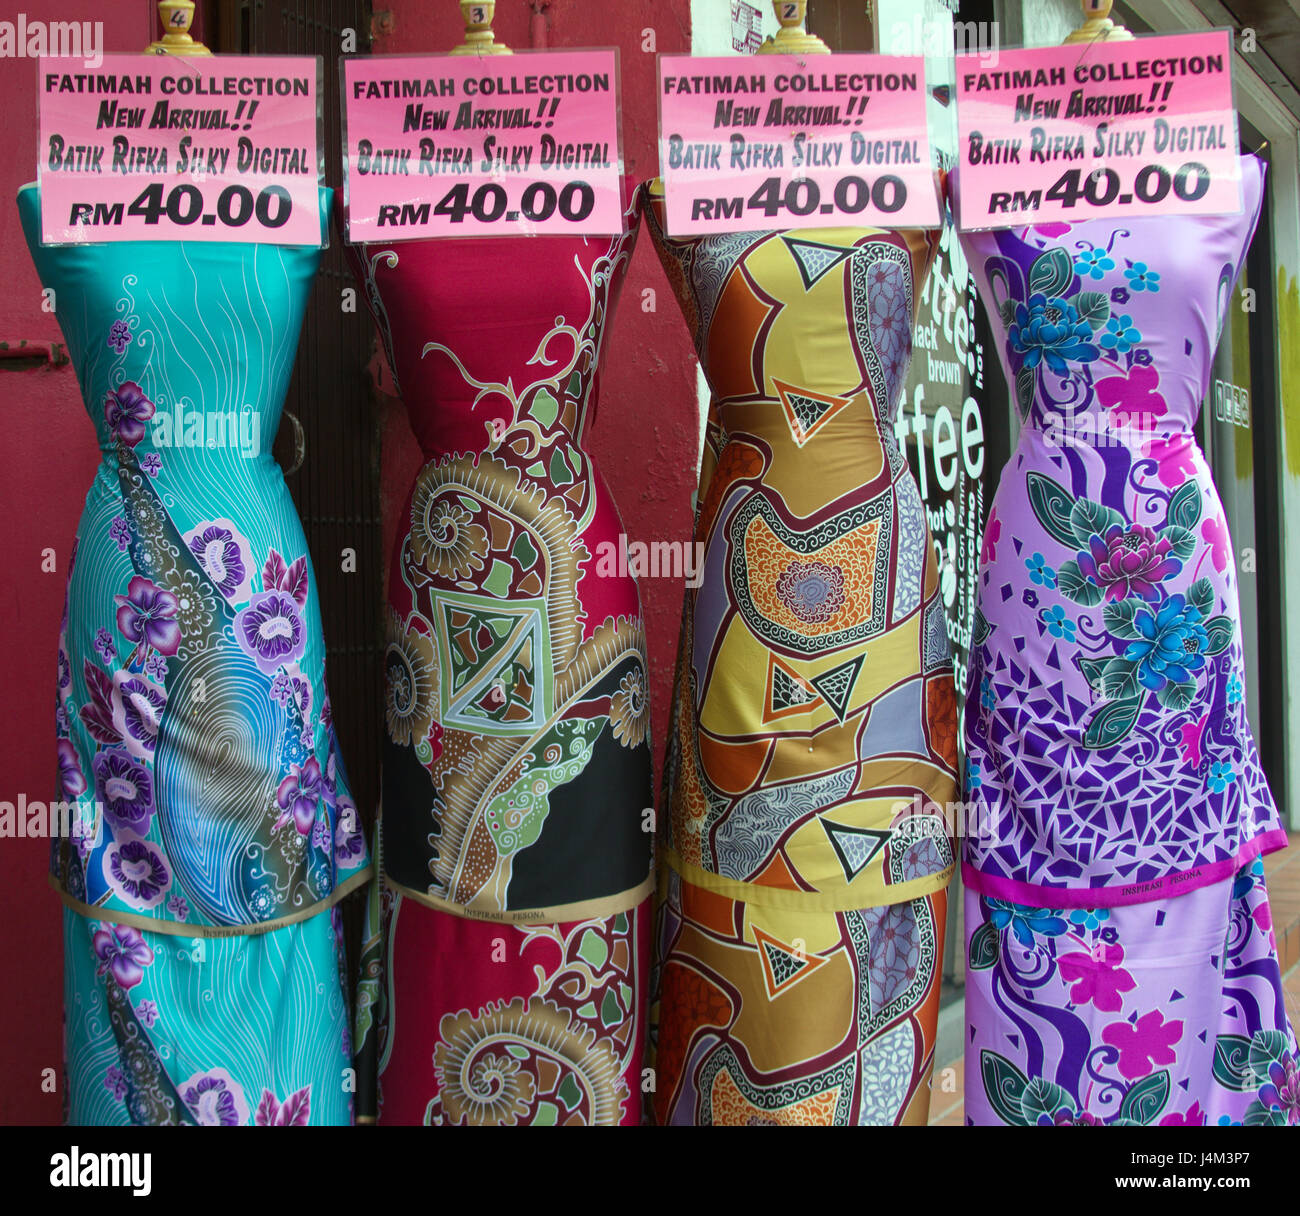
992 534
1193 1117
1175 456
1097 977
1144 1045
1134 397
1192 741
1214 531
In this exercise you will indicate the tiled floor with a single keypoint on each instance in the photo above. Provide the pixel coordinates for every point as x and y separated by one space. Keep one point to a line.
1283 874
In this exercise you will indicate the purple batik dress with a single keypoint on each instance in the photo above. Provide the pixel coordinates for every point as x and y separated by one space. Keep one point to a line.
1121 965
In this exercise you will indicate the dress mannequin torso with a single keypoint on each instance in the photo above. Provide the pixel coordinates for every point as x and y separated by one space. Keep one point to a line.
814 695
517 762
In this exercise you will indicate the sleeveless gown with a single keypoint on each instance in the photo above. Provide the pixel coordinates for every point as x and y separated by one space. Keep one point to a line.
504 975
1121 963
212 830
814 734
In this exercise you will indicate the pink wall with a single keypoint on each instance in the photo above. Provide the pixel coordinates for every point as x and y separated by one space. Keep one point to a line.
644 441
47 459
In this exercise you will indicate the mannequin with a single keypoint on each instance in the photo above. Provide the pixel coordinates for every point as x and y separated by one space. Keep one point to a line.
503 973
1120 965
814 695
216 832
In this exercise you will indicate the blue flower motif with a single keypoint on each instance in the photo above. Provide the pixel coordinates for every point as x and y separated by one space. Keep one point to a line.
1024 921
973 781
1051 331
1235 690
1120 334
1089 918
1140 278
1039 571
987 699
1221 776
1172 645
1058 624
1094 263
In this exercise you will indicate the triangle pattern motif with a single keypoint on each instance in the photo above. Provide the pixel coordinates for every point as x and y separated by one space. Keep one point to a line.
856 848
807 412
787 691
814 259
783 965
837 684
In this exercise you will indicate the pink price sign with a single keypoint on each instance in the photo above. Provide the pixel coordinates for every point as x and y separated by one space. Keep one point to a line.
777 141
1112 129
163 148
463 145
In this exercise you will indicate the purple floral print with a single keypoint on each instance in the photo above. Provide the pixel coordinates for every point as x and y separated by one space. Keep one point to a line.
122 953
146 615
137 872
299 795
125 788
270 630
1128 561
71 780
126 410
104 645
137 709
215 1099
115 1082
119 336
221 557
119 532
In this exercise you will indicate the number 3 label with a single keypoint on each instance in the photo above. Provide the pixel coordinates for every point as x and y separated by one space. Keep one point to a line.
478 14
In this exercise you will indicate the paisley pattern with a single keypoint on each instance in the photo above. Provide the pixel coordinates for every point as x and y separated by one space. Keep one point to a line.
1117 929
813 748
193 723
515 833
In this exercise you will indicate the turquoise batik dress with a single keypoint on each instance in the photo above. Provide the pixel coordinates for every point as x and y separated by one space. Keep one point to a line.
208 830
